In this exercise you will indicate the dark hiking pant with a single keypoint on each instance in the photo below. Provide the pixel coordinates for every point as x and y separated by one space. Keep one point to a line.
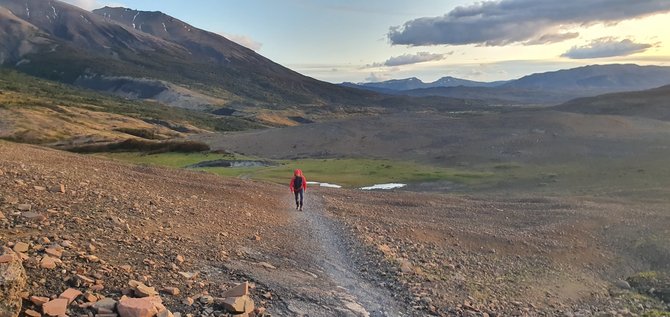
298 197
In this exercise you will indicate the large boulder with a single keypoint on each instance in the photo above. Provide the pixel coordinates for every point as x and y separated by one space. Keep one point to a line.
140 307
12 282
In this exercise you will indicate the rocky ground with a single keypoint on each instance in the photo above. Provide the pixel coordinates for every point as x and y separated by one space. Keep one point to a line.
502 256
109 230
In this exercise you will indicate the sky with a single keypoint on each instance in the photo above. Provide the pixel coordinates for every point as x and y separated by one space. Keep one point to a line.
376 40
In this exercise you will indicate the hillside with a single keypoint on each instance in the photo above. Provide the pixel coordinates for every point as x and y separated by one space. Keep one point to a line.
597 78
39 111
653 104
61 42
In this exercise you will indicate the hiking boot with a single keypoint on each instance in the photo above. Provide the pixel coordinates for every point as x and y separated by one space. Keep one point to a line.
300 208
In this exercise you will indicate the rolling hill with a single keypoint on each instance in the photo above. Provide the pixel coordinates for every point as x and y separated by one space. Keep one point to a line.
652 103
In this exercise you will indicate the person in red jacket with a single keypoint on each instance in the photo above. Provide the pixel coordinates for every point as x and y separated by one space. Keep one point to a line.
298 186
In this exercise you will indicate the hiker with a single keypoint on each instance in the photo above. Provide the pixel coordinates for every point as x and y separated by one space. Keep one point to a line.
298 186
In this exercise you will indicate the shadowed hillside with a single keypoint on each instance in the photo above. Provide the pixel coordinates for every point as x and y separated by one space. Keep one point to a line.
653 103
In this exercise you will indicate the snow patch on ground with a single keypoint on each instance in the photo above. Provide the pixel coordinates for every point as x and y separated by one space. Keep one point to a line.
384 186
324 184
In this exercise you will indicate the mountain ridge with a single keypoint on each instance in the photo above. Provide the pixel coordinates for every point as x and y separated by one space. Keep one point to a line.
72 43
416 83
554 87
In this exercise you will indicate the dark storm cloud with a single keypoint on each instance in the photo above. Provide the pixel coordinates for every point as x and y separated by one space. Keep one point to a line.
519 21
606 47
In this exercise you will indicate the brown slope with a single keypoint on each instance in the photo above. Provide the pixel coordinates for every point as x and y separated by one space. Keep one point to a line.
136 216
18 37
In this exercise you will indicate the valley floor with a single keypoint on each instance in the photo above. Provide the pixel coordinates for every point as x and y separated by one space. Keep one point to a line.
350 253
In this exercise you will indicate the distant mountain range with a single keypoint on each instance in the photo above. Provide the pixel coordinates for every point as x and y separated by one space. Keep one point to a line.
117 50
415 83
545 88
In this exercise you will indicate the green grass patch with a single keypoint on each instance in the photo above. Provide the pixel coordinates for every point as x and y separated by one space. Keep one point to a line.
174 160
344 172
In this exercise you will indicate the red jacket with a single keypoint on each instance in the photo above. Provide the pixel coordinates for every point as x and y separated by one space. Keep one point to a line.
296 174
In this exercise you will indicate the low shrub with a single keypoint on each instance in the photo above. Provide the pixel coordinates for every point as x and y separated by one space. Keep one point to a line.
137 145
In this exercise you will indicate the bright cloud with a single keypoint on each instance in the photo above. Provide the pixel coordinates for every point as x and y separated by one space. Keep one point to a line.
407 59
244 41
93 4
377 77
606 47
503 22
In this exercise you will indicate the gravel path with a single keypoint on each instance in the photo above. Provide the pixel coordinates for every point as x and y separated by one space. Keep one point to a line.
316 269
335 256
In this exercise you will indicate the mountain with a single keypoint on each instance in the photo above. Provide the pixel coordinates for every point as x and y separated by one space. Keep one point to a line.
552 88
615 77
395 85
117 47
652 103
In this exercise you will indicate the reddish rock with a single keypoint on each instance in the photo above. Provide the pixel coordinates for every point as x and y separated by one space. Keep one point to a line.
140 307
142 290
6 258
48 263
32 313
171 290
21 247
56 307
237 291
90 297
38 300
85 279
54 252
238 305
70 294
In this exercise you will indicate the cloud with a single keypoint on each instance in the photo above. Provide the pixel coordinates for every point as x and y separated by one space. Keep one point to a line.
377 77
244 41
503 22
93 4
606 47
419 57
407 59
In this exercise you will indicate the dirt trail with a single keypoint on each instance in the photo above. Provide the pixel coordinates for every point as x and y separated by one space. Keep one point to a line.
318 276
